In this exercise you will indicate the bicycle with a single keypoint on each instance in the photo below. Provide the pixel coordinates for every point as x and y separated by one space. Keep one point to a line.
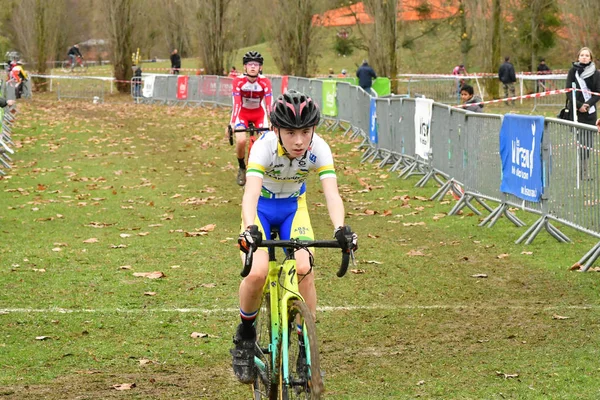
79 66
288 367
250 129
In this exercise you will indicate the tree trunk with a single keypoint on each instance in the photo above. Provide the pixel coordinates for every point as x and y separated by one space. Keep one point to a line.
492 84
119 15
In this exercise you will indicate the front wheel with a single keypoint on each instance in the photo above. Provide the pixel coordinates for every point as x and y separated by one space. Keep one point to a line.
263 387
304 379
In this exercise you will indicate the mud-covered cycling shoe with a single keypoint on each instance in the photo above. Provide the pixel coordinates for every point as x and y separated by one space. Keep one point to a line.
243 355
241 177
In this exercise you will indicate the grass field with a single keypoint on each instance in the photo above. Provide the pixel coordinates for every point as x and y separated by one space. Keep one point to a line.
100 192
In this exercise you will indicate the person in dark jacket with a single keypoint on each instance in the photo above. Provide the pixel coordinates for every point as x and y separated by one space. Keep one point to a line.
175 62
137 82
365 75
586 78
507 76
542 69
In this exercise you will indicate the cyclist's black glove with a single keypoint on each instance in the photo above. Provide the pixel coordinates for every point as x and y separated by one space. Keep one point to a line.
250 239
347 239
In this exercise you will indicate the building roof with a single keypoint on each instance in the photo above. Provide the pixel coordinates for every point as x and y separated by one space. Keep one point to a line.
409 11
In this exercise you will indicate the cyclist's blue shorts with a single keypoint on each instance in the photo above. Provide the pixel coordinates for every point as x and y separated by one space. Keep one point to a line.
290 215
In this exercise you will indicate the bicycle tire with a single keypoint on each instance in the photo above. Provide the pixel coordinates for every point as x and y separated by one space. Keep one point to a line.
66 66
304 384
263 387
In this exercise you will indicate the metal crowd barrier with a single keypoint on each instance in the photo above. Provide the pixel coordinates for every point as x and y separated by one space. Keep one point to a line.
7 118
464 156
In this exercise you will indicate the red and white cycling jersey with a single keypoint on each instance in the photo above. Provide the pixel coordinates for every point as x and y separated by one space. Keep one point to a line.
247 98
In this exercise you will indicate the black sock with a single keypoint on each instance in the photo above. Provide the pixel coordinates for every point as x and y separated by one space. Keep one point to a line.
248 323
242 163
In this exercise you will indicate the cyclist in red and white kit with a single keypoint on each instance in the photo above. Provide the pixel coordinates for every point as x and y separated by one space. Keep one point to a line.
249 91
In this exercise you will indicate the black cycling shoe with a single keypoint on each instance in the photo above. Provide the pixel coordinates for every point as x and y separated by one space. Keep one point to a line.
243 355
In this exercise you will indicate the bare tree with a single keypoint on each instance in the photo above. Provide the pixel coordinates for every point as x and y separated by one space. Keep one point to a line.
214 31
120 21
176 26
581 20
35 24
291 31
382 46
496 51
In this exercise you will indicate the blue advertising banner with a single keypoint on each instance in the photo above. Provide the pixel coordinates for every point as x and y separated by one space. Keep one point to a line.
521 155
373 122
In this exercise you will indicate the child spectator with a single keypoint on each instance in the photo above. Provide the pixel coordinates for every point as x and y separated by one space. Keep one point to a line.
470 100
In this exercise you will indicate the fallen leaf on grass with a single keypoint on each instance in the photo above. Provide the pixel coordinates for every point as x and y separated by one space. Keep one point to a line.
125 267
124 235
143 233
118 246
150 275
372 236
42 337
559 317
98 224
528 253
479 276
208 228
414 253
208 285
149 293
575 267
195 234
507 376
503 255
124 386
413 223
196 335
358 271
91 240
56 249
373 262
420 383
145 361
39 270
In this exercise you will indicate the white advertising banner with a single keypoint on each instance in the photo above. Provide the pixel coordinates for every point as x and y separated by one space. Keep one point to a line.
148 88
423 110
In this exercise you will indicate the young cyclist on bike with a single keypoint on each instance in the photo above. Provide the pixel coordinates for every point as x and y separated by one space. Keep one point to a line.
275 196
249 90
73 54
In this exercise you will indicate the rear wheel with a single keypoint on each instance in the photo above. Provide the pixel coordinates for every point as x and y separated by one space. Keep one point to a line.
304 380
262 387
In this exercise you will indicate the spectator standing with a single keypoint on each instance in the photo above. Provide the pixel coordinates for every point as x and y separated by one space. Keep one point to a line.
365 75
586 78
542 69
507 76
137 82
469 99
233 73
343 74
458 71
175 62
